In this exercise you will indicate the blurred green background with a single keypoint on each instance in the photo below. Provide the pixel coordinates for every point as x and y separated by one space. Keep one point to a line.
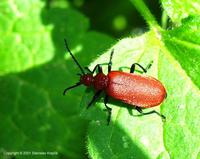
34 69
116 17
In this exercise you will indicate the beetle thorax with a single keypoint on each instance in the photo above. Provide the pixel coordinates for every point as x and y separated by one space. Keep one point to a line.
100 81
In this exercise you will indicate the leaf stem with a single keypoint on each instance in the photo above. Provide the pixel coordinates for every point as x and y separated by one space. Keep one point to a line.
145 12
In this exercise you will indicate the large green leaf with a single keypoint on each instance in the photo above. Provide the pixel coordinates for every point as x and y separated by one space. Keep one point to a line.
184 44
181 136
179 9
34 115
39 118
126 136
23 39
176 64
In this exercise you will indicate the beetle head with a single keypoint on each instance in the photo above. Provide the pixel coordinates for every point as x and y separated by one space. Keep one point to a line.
87 79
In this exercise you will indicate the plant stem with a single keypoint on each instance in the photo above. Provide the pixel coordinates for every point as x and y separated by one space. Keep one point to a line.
145 12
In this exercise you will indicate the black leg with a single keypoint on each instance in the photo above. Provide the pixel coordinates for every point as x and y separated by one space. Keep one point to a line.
143 69
76 85
98 66
151 112
97 94
138 109
133 68
110 61
99 69
130 111
108 109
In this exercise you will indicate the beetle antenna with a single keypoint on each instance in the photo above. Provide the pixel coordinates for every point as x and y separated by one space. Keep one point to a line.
110 61
76 85
67 47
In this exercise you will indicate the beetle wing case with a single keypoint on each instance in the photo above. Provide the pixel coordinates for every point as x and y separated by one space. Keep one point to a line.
133 89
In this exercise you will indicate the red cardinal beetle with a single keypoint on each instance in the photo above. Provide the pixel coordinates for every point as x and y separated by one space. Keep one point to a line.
139 91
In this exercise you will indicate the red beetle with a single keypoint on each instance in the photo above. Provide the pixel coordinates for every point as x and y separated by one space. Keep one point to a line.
139 91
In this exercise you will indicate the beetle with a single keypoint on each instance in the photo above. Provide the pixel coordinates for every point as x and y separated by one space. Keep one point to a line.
139 91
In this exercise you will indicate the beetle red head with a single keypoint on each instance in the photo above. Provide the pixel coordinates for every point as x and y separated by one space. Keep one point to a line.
87 79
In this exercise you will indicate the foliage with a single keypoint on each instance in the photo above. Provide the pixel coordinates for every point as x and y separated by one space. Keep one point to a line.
175 55
34 70
34 116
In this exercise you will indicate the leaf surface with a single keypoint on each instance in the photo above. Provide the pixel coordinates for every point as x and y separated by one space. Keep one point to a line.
34 115
181 136
26 45
174 54
126 136
184 44
179 9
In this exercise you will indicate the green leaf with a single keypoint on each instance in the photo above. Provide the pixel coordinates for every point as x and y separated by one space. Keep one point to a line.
180 130
179 9
71 25
184 44
175 58
34 115
181 137
38 117
126 136
26 45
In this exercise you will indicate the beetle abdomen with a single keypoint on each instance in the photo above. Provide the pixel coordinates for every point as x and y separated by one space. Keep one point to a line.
133 89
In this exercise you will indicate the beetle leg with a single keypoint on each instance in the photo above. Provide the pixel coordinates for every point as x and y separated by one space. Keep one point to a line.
76 85
108 109
151 112
130 111
97 94
110 61
138 109
133 68
99 69
98 66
